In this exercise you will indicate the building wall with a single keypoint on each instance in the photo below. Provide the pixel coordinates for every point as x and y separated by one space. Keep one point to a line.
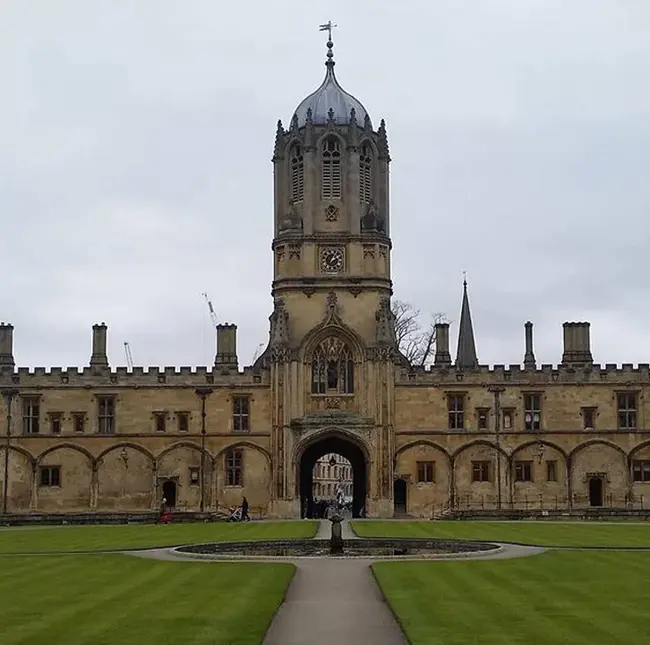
125 471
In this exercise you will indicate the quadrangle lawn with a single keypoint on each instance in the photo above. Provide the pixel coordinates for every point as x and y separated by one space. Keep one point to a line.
111 599
557 598
620 534
139 536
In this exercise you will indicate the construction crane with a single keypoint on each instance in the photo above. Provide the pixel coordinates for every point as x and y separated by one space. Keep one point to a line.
213 316
129 358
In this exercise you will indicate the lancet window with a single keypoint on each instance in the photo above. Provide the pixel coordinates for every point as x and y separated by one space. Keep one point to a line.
331 169
297 174
365 174
332 369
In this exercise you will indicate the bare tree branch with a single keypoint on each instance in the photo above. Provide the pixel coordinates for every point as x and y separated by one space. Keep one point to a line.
416 341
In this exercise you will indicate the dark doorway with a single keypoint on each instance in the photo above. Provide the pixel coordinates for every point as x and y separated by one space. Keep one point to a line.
399 496
169 492
595 491
339 445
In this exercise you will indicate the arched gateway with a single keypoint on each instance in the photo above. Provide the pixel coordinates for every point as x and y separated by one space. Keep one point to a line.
346 447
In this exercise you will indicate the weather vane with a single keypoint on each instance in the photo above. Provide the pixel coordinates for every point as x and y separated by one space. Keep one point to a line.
328 28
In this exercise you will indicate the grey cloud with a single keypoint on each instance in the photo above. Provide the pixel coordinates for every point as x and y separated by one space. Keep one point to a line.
136 166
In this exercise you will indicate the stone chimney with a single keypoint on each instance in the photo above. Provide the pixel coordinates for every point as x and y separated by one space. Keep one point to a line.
6 346
226 346
98 358
577 344
529 355
443 357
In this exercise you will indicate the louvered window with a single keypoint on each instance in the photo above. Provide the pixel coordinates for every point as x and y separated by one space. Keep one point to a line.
331 162
365 174
297 174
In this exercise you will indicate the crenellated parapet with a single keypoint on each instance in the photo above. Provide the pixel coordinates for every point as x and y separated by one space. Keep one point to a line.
184 376
561 374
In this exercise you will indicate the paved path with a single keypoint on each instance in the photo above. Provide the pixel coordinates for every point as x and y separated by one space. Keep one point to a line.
334 602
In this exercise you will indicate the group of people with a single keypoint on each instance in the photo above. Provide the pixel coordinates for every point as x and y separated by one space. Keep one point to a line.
320 509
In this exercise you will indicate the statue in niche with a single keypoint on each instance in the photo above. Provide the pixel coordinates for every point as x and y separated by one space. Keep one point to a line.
372 220
292 220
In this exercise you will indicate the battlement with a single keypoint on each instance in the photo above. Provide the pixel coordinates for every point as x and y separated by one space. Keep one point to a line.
625 374
92 376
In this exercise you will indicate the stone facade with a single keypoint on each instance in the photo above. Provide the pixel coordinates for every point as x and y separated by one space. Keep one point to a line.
331 380
332 472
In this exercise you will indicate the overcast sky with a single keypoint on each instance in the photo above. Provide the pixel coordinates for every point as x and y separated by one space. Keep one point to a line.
135 173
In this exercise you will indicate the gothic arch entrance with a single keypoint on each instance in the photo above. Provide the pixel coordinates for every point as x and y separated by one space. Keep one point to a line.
345 447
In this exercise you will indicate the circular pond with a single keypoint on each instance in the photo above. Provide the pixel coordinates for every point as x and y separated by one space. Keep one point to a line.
371 547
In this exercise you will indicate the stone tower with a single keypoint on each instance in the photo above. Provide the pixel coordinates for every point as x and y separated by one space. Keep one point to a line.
332 331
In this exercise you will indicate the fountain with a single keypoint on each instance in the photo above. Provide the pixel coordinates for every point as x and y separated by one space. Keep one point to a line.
336 538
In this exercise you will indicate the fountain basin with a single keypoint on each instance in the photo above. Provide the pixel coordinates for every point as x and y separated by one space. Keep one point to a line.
356 548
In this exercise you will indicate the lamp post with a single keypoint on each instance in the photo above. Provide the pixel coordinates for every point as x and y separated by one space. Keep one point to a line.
9 396
204 393
124 456
497 391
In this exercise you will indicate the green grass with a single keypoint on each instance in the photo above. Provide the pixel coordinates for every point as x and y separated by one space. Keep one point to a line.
529 532
555 598
134 536
119 599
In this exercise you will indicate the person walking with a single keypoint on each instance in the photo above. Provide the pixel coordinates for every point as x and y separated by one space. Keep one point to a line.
244 510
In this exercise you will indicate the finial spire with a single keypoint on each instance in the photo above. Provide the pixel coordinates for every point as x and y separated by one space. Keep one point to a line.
466 354
330 54
465 280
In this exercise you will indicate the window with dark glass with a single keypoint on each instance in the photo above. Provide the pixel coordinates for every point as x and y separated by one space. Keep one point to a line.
551 471
31 415
50 476
641 471
482 415
56 419
183 420
234 474
106 414
160 421
241 413
456 411
532 411
589 418
426 471
79 421
523 471
480 471
627 408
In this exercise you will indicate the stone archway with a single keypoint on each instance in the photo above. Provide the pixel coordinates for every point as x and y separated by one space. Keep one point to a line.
341 445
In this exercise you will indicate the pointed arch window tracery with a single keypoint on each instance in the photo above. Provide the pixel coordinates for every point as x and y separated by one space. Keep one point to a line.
332 368
331 169
297 174
365 174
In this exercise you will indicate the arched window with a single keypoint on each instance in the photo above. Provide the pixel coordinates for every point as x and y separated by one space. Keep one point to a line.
365 174
331 169
332 368
297 174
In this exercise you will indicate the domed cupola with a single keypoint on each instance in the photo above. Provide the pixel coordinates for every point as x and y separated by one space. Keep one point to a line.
330 103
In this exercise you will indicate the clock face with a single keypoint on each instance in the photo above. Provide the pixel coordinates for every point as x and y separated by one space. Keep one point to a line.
331 260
